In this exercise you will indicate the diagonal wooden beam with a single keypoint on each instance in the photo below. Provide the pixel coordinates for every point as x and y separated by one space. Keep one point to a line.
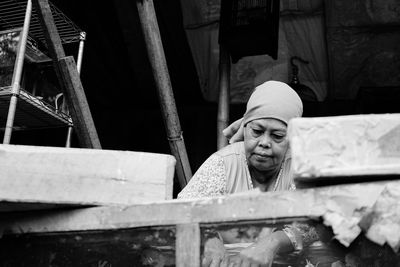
158 63
79 107
68 78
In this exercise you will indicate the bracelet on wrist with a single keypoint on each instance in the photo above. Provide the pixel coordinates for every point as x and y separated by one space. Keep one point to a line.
296 245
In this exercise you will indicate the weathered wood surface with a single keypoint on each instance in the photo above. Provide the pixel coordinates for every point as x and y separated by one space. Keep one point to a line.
53 40
252 206
358 145
78 105
68 78
188 243
155 246
77 237
32 176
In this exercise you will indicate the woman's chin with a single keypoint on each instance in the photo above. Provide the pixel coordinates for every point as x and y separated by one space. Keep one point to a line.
263 168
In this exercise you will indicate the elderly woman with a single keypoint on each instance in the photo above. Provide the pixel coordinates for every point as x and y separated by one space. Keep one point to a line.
261 161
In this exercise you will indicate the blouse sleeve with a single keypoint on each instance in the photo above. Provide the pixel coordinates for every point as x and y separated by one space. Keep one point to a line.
208 181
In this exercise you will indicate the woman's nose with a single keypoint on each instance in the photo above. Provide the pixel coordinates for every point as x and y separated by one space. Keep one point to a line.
265 141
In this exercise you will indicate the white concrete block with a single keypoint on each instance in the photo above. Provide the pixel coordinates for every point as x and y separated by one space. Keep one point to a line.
354 145
32 175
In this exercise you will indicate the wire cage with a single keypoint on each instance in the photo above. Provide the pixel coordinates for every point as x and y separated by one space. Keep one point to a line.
249 27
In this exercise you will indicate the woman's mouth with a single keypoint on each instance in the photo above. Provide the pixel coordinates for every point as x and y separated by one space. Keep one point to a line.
262 156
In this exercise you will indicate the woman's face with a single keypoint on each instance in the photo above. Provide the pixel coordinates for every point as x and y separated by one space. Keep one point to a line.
265 144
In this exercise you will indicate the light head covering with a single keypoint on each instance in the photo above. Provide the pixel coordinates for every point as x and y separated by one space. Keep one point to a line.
273 99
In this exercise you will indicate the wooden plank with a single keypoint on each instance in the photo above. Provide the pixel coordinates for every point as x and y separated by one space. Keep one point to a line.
50 31
188 245
68 78
355 145
51 175
155 246
78 105
251 206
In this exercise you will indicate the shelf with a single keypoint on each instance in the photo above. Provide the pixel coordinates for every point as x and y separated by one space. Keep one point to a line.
12 14
31 112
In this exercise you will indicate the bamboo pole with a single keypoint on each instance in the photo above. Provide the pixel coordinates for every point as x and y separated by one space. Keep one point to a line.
158 63
223 101
17 74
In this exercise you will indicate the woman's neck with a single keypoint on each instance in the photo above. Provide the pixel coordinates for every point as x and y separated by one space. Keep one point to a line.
263 180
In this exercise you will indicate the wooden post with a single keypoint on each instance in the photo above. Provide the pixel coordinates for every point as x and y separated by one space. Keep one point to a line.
187 245
68 77
158 63
223 102
53 40
77 103
82 38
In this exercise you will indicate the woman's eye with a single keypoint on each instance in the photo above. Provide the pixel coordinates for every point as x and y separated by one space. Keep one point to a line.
278 136
257 132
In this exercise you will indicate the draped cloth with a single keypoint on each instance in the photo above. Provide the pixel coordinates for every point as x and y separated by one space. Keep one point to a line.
301 33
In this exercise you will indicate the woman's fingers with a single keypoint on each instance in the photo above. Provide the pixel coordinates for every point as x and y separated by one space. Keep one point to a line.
224 262
246 263
233 130
206 261
215 262
238 136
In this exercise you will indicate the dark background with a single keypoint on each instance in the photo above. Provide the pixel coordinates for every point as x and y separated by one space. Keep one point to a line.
121 92
119 85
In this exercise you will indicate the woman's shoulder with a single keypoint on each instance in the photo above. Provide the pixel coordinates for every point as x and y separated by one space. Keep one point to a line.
231 149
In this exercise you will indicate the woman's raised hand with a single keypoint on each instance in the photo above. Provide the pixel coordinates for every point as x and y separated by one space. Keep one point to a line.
214 252
234 132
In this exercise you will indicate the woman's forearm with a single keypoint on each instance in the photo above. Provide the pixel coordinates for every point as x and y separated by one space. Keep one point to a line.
278 241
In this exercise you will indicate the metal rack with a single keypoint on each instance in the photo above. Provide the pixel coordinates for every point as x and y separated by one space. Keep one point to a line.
32 111
12 14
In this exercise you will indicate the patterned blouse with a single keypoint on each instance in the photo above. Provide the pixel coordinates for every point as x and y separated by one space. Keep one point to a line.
226 172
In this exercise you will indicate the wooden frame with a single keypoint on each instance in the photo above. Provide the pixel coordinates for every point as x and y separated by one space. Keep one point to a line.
189 216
